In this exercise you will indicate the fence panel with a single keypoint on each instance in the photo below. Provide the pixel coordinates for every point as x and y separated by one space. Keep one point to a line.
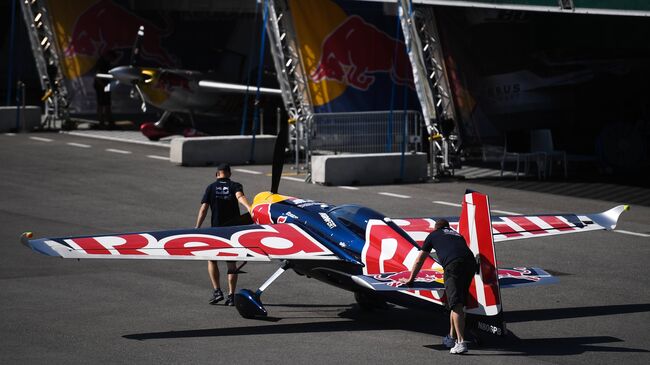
366 132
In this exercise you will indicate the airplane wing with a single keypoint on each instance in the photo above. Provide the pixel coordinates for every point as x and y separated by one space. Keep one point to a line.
236 88
513 227
238 243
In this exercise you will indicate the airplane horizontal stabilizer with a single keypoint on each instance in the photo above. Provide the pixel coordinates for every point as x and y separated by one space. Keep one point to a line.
524 276
426 280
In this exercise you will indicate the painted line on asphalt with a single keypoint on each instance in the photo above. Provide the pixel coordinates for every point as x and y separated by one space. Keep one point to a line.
632 233
10 134
249 171
41 139
117 139
505 212
156 157
348 187
118 151
81 145
293 178
394 195
447 203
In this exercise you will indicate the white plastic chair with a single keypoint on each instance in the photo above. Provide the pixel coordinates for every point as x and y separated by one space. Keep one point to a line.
541 141
526 158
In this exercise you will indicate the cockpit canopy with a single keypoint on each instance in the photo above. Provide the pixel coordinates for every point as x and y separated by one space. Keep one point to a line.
356 218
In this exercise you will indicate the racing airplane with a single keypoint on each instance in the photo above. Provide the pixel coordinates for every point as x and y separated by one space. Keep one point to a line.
175 91
349 246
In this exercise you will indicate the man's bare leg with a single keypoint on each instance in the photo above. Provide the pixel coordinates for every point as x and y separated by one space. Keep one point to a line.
232 277
213 272
458 322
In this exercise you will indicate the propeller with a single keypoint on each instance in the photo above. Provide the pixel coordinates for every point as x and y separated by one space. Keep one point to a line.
278 155
135 51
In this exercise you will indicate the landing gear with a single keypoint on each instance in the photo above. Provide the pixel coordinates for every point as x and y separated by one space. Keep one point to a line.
249 303
370 302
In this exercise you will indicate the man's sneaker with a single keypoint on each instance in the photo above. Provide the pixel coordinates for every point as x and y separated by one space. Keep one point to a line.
217 296
449 341
459 348
230 301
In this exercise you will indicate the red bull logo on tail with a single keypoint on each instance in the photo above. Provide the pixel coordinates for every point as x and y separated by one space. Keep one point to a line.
356 50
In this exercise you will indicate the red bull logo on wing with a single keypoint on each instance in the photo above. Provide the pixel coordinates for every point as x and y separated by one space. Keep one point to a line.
424 276
356 50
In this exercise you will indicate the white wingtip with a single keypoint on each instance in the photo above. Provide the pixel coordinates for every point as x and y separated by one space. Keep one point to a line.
608 219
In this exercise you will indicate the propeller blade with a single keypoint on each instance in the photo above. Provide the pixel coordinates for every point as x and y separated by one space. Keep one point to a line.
278 155
135 51
144 105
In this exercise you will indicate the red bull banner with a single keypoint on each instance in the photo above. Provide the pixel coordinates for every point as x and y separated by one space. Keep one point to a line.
94 36
354 56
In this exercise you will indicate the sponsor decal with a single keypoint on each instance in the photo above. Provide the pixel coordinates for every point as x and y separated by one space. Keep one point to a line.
326 218
286 240
424 276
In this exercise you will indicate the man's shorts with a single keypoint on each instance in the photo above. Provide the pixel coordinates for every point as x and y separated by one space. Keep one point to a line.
458 277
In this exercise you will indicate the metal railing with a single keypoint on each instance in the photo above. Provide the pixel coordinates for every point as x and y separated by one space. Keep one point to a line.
366 132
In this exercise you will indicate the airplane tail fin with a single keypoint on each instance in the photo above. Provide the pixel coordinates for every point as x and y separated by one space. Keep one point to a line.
484 310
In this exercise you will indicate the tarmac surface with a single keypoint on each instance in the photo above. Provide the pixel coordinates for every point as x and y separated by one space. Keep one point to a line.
128 311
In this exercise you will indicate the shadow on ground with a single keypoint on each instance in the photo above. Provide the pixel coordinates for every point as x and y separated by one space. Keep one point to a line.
354 319
634 192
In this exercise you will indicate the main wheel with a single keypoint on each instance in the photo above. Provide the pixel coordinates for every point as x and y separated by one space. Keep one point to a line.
369 302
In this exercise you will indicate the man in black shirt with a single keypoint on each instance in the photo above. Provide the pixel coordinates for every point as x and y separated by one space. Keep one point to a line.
222 196
460 266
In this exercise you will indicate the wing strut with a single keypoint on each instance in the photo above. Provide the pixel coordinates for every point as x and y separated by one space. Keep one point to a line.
249 304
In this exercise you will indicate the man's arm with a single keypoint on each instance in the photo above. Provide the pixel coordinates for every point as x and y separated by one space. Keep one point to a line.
241 198
417 265
203 211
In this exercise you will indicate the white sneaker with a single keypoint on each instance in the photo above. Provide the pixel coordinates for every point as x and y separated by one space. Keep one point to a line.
459 348
449 341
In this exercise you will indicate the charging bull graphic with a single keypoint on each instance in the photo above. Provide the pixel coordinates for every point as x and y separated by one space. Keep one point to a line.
105 26
424 276
356 50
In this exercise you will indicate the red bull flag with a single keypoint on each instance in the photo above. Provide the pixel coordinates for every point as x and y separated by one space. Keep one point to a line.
354 56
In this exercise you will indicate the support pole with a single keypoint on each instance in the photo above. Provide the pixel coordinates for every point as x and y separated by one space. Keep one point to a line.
12 35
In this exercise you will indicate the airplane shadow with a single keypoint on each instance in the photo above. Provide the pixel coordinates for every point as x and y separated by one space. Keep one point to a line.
355 319
556 346
576 312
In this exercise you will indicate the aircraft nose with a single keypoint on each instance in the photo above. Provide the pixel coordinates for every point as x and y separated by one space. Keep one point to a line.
127 74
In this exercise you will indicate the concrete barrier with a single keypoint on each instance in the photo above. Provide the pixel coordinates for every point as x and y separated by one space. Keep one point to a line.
30 118
368 169
236 150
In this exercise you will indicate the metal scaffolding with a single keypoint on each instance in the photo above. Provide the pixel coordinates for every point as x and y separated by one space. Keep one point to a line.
430 78
48 62
291 75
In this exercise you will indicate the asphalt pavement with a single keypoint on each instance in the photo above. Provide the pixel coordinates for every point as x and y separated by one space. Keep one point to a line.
132 311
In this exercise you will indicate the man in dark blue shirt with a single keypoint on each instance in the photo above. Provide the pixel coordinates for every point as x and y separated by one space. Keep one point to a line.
459 267
223 198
